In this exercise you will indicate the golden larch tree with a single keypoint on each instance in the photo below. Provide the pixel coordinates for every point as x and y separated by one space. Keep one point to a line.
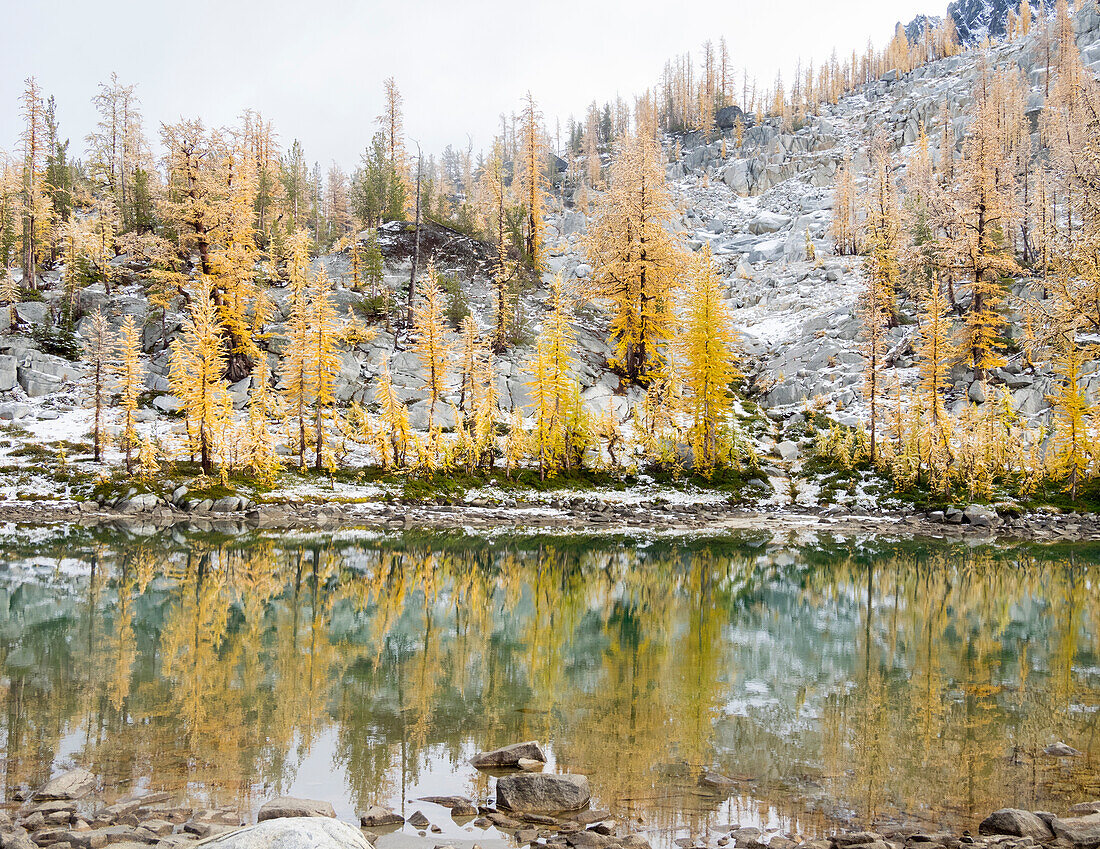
128 375
294 367
323 358
1073 437
196 375
558 438
98 352
636 260
430 345
708 362
532 181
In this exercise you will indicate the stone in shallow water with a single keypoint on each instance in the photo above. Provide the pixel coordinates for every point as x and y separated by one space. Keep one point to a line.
542 792
1015 822
74 784
376 816
1082 832
290 806
509 756
291 833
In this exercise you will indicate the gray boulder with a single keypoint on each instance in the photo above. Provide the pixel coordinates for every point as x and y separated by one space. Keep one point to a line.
32 312
10 412
74 784
1082 832
540 792
768 222
787 451
168 403
980 516
8 373
1017 823
36 384
291 833
290 806
509 756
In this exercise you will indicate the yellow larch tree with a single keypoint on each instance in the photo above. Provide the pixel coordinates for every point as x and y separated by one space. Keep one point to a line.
1073 437
558 438
98 352
708 362
294 367
882 231
468 361
980 207
874 318
636 260
128 381
196 375
259 445
430 345
323 360
486 410
495 214
532 181
395 419
936 352
845 197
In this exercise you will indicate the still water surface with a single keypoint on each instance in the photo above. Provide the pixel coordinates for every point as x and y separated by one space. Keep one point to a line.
836 681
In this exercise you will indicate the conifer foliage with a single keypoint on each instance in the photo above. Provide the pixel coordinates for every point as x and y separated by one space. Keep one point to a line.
636 259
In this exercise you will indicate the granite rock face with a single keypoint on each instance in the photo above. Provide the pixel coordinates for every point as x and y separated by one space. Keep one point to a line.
291 833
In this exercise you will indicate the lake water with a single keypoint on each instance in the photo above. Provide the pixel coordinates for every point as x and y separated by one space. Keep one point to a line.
838 682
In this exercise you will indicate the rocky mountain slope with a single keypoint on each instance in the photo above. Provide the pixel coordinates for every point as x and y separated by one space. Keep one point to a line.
975 20
754 205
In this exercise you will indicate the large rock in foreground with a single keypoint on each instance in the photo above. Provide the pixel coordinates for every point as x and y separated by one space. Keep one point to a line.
291 833
74 784
538 792
289 806
1017 823
509 756
1082 832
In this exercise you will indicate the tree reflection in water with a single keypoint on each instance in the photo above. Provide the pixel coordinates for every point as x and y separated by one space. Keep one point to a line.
878 681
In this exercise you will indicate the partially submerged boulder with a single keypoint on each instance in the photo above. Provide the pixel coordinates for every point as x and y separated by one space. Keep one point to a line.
74 784
1017 823
291 833
290 806
1082 832
509 756
376 816
539 792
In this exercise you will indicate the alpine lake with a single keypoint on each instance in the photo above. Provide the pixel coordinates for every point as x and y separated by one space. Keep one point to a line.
837 682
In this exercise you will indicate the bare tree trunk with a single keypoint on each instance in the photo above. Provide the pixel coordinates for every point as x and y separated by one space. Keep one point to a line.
416 251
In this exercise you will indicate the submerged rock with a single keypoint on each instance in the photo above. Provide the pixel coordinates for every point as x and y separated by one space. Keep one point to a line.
74 784
1082 832
1017 823
509 756
291 833
289 806
542 792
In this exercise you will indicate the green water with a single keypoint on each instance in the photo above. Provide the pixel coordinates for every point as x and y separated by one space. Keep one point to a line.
837 682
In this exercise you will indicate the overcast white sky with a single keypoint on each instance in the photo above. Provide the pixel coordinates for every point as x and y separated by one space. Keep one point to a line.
316 66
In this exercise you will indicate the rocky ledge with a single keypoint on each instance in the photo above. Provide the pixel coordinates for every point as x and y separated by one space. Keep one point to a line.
567 513
531 807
